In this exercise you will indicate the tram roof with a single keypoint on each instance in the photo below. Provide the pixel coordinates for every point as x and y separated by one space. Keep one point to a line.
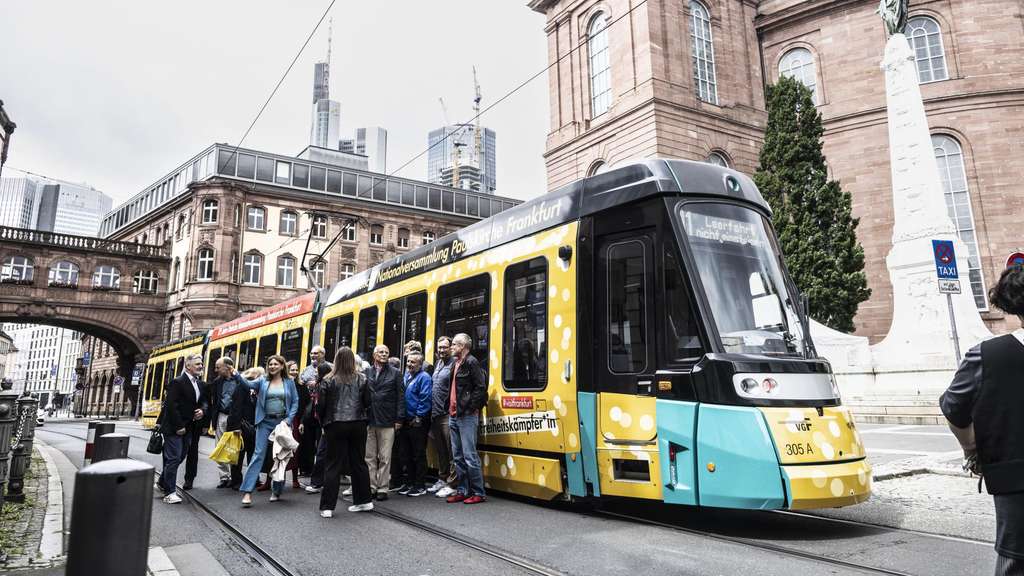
179 344
620 186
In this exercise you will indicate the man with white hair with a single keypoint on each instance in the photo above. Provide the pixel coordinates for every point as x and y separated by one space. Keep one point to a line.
386 413
468 395
184 406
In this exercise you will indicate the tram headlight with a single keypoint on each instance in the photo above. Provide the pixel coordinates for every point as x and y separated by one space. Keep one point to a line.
768 385
749 385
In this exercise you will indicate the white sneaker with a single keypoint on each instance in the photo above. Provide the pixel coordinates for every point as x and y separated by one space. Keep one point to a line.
310 489
445 492
347 492
327 513
172 499
361 507
436 486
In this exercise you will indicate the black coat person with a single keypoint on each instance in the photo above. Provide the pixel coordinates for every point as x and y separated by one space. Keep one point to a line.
985 408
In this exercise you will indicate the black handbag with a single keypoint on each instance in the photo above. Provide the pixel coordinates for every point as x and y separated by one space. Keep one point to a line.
248 432
156 442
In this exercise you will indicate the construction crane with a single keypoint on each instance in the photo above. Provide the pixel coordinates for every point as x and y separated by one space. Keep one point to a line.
456 145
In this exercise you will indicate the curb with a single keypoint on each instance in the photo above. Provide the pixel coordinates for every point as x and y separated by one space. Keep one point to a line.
51 545
159 564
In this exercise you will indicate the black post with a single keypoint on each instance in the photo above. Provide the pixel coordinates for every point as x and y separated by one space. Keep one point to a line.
110 519
101 428
110 446
8 420
21 453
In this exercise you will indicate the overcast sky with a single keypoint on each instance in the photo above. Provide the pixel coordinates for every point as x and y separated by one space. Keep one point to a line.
117 94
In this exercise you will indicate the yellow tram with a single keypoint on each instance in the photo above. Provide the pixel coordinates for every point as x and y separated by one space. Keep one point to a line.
165 363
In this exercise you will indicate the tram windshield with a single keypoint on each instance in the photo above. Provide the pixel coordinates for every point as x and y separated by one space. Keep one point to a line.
738 263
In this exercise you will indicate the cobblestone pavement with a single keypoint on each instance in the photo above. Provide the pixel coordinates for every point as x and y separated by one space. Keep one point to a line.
21 527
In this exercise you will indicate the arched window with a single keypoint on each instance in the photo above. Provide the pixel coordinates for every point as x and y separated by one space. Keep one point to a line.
950 158
255 218
718 159
347 270
318 271
428 237
798 64
181 227
17 270
925 38
64 274
319 226
252 268
106 278
289 225
403 237
597 168
145 238
144 282
600 65
210 208
204 264
286 271
376 234
238 215
234 266
704 80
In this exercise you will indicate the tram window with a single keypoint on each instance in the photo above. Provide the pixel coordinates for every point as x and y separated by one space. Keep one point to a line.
367 333
526 317
246 355
404 320
337 333
681 337
179 367
232 352
169 373
291 345
211 364
156 385
268 347
627 330
464 306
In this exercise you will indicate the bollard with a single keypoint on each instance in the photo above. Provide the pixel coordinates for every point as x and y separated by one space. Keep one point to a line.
110 519
98 430
90 437
21 447
110 446
8 418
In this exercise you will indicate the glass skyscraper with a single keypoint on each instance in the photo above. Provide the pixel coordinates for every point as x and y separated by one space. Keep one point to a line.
441 158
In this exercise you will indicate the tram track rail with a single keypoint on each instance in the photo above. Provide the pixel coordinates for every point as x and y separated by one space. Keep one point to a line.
882 527
765 546
513 559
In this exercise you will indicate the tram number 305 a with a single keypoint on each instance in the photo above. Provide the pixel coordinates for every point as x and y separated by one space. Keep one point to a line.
799 449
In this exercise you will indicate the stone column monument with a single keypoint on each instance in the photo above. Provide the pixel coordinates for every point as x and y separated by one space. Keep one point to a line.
917 356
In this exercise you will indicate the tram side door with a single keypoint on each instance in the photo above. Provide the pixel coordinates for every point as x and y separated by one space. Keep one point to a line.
625 364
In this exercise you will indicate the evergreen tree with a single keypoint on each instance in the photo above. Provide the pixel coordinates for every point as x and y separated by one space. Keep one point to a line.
811 213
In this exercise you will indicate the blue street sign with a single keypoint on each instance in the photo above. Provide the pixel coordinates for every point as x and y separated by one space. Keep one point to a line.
945 259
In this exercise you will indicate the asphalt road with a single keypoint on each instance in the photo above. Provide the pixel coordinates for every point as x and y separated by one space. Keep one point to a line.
561 538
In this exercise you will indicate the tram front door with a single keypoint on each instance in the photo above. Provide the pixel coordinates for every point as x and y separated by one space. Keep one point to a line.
625 364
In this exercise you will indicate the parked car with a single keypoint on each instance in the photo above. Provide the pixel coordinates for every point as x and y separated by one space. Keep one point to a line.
40 417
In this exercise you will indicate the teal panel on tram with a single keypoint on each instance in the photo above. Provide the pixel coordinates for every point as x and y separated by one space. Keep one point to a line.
677 434
587 402
737 466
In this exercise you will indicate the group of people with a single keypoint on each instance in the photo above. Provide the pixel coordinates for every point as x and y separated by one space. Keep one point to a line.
349 418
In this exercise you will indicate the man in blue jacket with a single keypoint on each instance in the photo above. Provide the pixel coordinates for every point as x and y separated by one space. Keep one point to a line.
418 402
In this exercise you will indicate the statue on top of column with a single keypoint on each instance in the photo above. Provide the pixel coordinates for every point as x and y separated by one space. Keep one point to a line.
894 14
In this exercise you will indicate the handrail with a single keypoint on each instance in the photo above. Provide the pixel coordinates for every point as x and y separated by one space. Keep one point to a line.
89 243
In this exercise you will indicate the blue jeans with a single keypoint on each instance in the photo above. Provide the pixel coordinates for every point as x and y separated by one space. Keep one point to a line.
252 473
173 456
467 461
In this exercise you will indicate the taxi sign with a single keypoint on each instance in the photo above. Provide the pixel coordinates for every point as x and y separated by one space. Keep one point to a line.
945 259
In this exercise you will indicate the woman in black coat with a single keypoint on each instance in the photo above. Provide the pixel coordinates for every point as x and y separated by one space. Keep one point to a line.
241 417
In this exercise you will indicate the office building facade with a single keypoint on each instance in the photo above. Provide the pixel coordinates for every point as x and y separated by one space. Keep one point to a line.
238 223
